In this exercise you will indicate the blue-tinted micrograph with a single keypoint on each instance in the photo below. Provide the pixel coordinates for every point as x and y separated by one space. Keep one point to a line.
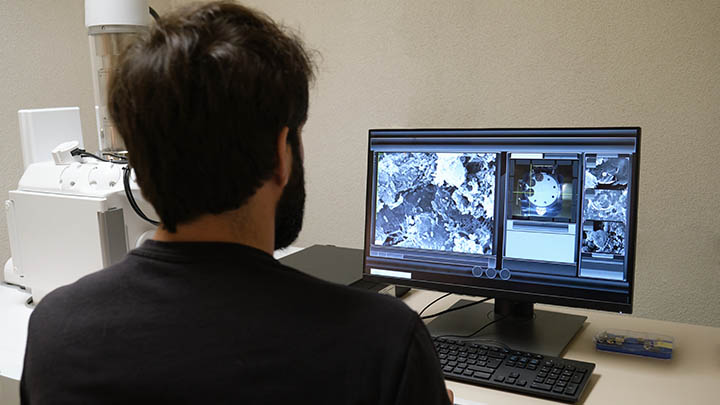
543 189
606 205
436 201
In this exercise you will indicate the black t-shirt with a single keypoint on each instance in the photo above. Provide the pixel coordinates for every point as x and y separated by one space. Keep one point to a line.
224 323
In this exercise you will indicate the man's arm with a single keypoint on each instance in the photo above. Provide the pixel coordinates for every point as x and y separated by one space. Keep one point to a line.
422 381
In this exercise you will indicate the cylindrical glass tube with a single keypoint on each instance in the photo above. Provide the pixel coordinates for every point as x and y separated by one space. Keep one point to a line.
106 45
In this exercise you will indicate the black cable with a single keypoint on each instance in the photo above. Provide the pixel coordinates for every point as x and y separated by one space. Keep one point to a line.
455 308
430 304
83 153
154 14
478 331
131 199
116 156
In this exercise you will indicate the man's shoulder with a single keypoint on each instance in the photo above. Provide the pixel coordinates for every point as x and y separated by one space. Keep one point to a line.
355 302
83 293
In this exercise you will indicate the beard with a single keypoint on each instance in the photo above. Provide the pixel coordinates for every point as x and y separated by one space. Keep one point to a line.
291 206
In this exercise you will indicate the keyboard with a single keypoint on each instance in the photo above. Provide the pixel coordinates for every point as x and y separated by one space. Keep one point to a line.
498 367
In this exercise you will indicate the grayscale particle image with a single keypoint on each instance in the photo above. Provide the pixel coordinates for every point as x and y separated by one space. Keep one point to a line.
604 237
609 172
436 201
606 205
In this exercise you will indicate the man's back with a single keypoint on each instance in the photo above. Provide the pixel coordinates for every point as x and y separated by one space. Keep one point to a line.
224 323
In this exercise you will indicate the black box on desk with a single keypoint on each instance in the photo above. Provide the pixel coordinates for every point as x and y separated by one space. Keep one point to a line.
338 265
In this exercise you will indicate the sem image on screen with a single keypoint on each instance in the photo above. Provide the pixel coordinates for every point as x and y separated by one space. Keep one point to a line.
436 201
604 237
606 204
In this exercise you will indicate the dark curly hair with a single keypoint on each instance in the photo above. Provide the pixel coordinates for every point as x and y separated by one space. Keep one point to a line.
200 101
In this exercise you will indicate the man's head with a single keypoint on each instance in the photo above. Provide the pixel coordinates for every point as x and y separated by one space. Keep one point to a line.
201 102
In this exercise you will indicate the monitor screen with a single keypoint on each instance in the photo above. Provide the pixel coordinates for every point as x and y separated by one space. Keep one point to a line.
537 215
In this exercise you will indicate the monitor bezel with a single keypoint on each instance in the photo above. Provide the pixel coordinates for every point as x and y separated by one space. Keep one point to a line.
521 296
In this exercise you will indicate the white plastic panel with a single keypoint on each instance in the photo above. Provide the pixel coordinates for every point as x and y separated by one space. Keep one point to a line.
59 236
41 130
544 246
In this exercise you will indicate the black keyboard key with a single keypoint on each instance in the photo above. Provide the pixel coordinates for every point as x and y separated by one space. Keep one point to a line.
521 383
550 381
496 355
531 367
564 378
482 376
576 378
468 373
481 369
514 375
500 378
452 363
570 367
558 389
510 364
539 379
570 389
542 374
447 369
538 386
494 363
511 381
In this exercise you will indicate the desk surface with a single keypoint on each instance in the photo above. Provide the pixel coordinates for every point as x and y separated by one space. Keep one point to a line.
691 377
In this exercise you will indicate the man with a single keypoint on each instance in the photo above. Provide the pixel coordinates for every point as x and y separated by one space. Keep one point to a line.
211 105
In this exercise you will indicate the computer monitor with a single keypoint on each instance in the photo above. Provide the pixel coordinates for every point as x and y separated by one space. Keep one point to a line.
521 215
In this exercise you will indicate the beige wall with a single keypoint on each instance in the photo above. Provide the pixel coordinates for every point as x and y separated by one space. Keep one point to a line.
504 63
417 63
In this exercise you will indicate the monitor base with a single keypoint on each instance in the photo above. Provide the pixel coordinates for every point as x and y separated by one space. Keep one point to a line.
518 326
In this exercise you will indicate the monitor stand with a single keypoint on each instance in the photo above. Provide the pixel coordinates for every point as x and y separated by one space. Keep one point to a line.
518 325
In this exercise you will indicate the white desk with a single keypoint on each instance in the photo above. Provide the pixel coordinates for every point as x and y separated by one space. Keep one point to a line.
691 377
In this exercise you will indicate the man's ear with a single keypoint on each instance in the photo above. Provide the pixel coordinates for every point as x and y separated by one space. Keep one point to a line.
283 157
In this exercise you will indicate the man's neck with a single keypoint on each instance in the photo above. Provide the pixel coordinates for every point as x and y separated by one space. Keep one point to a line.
252 225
